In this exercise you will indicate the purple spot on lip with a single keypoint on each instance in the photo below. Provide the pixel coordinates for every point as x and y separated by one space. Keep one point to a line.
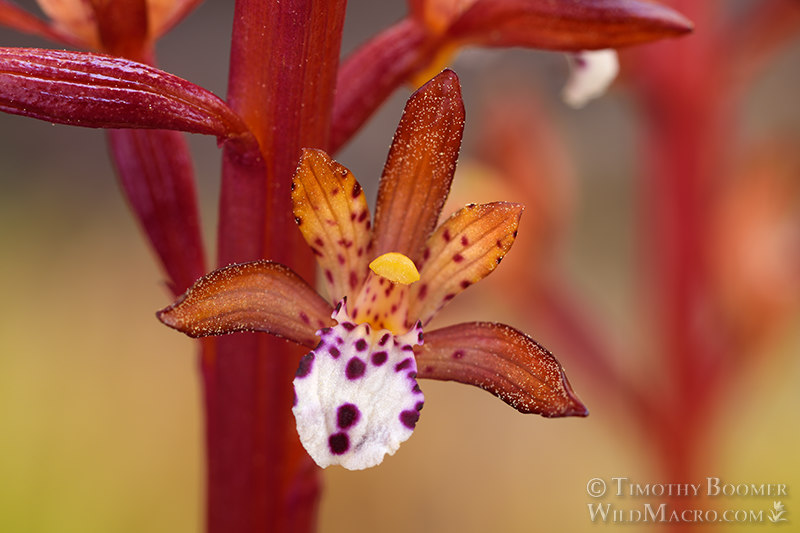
384 339
409 418
419 406
378 358
402 365
349 326
408 348
340 442
334 351
361 345
305 365
355 368
347 415
415 389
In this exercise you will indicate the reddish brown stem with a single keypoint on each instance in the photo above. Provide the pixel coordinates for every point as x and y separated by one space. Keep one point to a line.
284 58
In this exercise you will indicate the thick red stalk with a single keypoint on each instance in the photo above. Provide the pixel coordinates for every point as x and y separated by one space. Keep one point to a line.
284 59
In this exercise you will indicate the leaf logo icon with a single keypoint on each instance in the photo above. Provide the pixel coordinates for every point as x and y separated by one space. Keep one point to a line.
777 512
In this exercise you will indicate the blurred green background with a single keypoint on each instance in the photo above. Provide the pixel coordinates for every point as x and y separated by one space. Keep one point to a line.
100 422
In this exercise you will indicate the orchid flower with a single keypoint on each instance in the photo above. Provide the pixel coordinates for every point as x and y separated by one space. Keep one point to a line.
435 31
356 392
127 28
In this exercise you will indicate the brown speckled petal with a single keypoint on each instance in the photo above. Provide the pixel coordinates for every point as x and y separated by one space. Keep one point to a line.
331 211
462 251
257 296
420 166
503 361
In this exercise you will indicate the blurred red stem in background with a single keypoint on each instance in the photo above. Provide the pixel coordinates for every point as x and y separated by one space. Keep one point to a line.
685 130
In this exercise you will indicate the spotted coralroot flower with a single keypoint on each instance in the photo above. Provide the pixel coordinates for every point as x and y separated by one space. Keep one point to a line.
356 392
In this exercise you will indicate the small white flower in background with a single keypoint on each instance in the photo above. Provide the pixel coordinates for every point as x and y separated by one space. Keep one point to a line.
591 74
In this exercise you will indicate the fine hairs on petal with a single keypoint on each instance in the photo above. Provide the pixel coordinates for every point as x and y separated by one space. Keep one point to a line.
356 396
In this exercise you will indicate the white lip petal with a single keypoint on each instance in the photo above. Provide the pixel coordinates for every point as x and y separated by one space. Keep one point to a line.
356 396
591 74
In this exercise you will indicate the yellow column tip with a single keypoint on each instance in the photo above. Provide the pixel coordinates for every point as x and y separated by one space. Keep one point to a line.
395 267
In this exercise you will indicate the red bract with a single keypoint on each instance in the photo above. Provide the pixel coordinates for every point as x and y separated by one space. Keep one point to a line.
99 91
